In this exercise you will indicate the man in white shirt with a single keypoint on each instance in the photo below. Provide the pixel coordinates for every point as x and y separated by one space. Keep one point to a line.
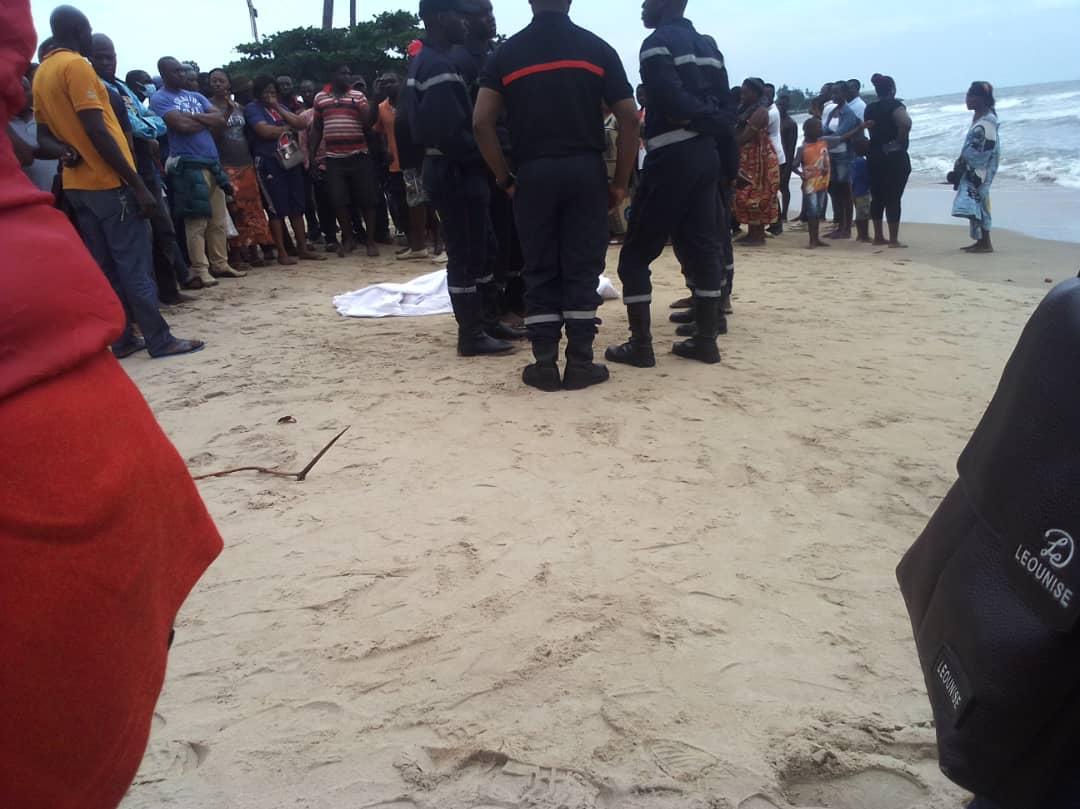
855 102
777 226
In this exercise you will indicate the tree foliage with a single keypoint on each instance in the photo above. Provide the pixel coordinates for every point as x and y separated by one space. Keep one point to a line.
799 99
370 48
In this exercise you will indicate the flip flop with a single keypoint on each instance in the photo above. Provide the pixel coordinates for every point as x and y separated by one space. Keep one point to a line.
179 347
134 348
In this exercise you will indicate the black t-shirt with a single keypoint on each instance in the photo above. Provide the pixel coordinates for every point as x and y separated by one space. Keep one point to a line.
554 78
885 130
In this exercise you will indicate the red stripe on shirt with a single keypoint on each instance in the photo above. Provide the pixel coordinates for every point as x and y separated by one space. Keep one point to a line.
547 67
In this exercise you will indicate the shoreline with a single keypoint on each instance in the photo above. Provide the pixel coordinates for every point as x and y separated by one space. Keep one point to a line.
1020 259
1049 212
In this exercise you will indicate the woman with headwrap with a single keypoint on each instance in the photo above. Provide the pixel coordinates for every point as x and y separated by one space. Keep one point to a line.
977 166
102 532
889 124
759 167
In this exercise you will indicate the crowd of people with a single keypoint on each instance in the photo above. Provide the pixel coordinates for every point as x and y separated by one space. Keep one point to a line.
232 175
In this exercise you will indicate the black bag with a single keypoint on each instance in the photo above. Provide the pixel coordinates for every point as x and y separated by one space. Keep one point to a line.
993 583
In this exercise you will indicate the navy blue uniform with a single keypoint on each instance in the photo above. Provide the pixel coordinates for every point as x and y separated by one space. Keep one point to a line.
689 110
554 77
505 261
454 175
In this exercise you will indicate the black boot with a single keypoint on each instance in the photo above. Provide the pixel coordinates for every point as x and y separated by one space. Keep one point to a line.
638 351
702 346
544 373
690 329
472 341
682 316
581 372
489 298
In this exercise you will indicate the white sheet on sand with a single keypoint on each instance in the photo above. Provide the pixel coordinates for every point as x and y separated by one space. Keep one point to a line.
426 295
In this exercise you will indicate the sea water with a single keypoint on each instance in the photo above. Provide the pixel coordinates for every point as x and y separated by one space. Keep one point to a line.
1040 134
1037 190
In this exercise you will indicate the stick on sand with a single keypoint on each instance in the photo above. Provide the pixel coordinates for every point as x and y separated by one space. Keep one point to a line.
301 475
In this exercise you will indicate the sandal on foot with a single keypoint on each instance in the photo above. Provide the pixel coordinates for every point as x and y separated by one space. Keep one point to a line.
135 347
178 347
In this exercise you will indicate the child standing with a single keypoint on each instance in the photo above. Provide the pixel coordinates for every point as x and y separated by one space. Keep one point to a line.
860 185
812 164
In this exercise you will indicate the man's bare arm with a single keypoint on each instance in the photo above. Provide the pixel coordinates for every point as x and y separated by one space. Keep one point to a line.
626 141
485 118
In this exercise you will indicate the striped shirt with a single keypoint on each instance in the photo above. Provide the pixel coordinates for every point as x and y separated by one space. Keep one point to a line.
342 118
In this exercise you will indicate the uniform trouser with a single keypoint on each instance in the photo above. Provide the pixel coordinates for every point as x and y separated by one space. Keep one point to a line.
724 199
507 261
170 269
724 202
677 199
120 243
461 196
207 244
561 209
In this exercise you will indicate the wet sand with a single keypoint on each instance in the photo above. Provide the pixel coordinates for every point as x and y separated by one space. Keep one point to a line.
671 591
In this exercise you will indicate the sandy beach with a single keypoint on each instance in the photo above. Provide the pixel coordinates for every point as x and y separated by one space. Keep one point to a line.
671 591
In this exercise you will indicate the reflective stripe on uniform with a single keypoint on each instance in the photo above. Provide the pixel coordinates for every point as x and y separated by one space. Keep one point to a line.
590 315
487 279
651 52
534 320
708 293
629 299
461 290
701 61
548 67
670 138
433 153
442 78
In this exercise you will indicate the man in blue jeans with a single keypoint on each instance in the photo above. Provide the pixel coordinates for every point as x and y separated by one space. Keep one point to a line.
110 200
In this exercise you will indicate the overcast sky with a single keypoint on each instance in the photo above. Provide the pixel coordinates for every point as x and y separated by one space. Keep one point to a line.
930 47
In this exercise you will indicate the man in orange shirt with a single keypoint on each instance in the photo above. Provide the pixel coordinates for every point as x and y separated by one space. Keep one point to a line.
110 200
389 85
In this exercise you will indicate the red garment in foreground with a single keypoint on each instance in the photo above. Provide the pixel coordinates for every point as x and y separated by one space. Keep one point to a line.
102 532
102 537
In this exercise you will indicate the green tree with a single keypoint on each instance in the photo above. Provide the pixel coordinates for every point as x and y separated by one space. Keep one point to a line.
370 48
800 99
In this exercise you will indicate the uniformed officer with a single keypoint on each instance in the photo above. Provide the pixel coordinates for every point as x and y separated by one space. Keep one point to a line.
552 78
440 115
504 249
690 106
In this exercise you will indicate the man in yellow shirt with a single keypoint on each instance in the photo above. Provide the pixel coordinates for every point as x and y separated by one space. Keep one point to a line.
110 200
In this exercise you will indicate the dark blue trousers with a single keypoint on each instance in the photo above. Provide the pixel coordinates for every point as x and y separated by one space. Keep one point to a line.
121 244
462 198
676 199
561 209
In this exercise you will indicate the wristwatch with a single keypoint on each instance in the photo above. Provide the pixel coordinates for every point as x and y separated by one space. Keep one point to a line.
509 181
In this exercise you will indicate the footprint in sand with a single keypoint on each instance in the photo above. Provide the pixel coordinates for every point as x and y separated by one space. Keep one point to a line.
680 760
492 781
172 759
875 787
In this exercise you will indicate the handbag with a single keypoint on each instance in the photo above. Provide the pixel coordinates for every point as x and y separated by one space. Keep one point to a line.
992 585
288 152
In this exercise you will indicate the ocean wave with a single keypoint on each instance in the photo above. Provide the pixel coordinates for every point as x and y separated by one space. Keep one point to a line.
1041 170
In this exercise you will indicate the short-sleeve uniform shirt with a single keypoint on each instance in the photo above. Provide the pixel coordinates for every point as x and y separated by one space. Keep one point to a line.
554 78
64 86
